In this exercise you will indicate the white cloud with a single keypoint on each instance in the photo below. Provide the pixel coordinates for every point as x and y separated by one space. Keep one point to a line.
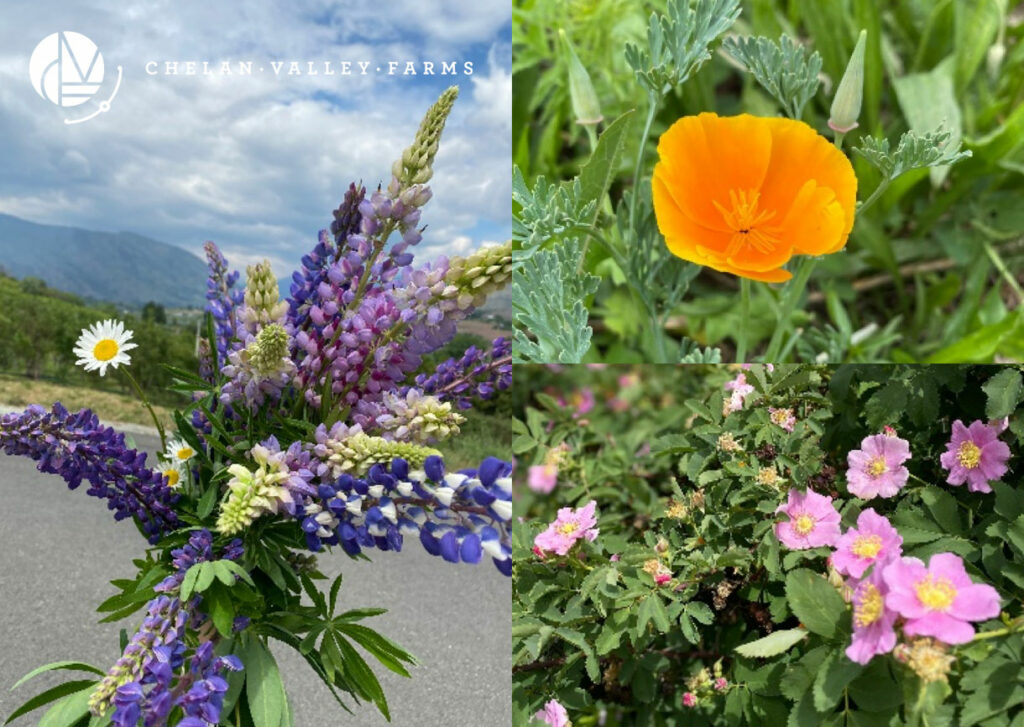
255 163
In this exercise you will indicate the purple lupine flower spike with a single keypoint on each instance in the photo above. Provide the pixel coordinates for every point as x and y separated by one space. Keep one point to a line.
222 298
78 448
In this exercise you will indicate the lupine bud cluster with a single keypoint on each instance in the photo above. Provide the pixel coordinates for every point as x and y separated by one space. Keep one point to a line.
261 370
262 302
78 448
418 417
349 450
415 166
252 493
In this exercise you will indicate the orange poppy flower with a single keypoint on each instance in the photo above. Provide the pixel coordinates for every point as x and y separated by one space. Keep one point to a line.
743 194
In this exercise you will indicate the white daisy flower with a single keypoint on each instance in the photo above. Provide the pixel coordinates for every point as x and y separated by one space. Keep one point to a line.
103 344
179 452
171 472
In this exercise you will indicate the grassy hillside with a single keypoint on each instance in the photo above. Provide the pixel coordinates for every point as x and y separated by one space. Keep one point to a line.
39 327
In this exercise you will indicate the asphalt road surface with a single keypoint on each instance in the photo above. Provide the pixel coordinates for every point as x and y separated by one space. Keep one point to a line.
59 549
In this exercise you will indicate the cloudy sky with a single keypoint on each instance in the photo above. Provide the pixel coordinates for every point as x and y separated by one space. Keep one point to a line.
256 163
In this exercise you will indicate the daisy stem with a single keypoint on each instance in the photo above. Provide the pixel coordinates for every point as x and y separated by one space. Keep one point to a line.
790 297
145 402
744 327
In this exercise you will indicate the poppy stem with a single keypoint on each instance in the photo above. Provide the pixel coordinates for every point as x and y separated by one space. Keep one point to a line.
790 297
744 328
882 186
652 104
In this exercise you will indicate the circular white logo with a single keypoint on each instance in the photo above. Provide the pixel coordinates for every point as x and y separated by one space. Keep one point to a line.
66 68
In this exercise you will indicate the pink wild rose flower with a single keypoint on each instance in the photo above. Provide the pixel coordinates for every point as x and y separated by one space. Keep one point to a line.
553 714
543 478
570 526
876 469
873 631
689 700
874 540
975 455
813 521
940 599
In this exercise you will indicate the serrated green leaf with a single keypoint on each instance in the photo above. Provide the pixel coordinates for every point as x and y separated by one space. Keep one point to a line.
815 602
1004 392
834 676
774 643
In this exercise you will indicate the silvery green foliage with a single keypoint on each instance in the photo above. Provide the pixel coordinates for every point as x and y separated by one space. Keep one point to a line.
691 353
784 69
677 43
913 152
547 211
548 293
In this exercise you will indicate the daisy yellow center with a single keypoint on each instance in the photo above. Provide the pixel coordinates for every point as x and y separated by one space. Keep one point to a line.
969 455
866 546
877 466
804 524
936 593
184 453
747 222
105 349
868 607
567 528
172 477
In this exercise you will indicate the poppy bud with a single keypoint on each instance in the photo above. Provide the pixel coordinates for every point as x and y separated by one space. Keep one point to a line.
846 102
585 105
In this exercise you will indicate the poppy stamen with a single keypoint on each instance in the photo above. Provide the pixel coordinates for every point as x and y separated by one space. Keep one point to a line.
744 218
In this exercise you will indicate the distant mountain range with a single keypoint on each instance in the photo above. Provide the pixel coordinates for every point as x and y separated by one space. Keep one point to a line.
118 267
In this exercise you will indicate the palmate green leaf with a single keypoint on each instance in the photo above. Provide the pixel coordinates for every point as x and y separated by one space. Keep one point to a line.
387 652
774 643
72 665
784 69
68 711
816 603
51 694
263 686
548 300
361 676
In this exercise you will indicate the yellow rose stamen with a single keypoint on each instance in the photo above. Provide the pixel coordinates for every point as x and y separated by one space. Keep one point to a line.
866 546
969 455
936 593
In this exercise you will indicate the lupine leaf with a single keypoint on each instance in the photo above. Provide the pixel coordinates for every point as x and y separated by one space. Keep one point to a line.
61 690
